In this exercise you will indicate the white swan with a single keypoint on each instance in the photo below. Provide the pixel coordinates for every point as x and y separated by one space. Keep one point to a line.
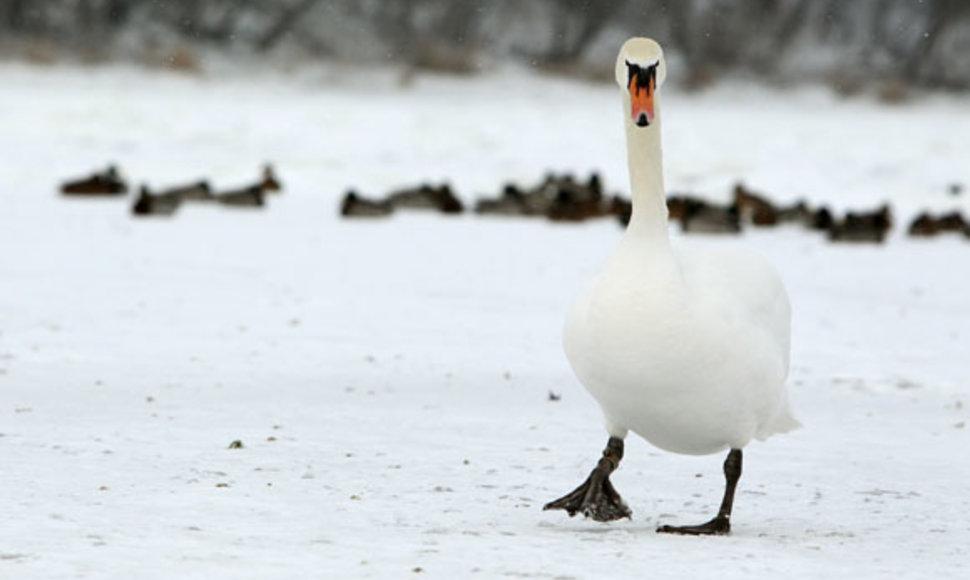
686 347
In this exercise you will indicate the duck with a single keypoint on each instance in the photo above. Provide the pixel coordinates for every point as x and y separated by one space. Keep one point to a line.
198 191
353 205
148 203
926 225
107 182
863 226
575 201
511 202
686 346
248 196
252 195
553 197
753 207
699 216
440 198
710 218
538 199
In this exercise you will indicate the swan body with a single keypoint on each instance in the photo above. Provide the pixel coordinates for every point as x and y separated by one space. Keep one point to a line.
686 346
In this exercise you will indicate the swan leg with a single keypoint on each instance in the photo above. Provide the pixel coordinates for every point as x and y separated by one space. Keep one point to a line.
721 524
596 498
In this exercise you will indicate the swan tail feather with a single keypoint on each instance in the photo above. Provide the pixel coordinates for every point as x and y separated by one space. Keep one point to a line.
783 423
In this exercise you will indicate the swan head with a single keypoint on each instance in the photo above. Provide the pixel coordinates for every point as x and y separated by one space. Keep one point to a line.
640 70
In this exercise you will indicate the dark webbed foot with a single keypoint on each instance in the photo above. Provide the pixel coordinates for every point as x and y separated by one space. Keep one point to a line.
596 498
719 526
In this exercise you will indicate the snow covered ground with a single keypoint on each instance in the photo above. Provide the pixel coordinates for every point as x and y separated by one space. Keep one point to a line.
389 380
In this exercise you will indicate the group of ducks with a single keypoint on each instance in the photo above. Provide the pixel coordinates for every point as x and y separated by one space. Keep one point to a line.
439 198
565 198
166 202
754 208
559 198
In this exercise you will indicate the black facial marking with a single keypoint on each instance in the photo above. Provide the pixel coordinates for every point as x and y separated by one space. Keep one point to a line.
642 74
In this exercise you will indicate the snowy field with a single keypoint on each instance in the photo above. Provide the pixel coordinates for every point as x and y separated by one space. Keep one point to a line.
389 379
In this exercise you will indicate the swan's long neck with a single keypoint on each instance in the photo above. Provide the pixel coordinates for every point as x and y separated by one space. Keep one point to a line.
645 160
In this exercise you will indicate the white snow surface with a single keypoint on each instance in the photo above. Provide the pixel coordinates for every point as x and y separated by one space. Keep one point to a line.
389 379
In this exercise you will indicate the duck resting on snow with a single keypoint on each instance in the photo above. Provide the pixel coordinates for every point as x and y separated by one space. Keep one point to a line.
687 347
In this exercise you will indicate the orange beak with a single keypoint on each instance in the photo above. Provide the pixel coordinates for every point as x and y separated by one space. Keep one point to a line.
641 101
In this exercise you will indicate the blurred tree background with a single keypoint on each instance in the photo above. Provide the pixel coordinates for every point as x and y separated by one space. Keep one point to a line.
848 43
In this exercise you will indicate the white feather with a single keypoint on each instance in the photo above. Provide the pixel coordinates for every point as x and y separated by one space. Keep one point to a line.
685 346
